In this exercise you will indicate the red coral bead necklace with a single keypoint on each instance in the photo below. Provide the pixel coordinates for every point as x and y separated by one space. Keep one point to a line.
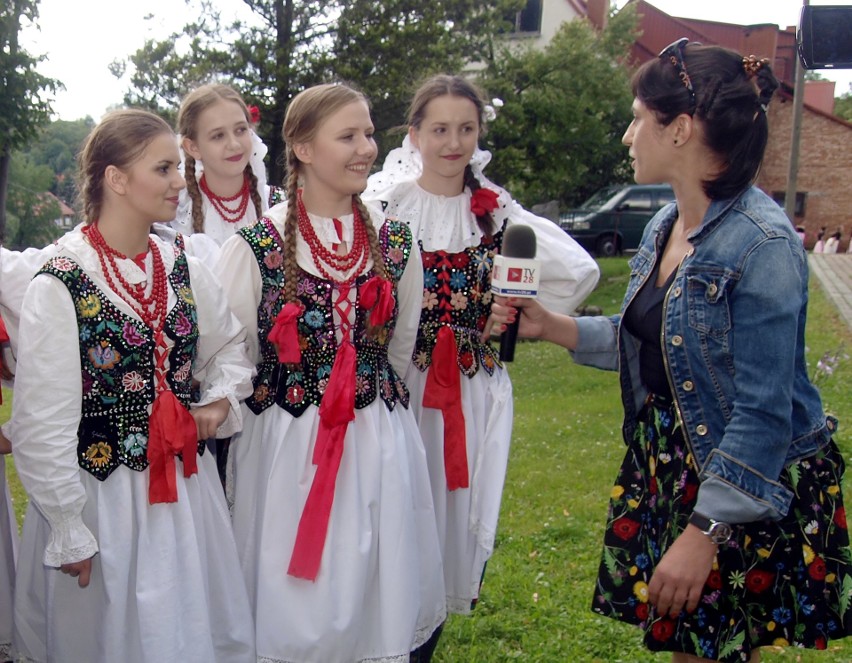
357 255
221 203
151 308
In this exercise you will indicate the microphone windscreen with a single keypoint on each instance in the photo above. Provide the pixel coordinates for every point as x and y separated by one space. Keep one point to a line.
519 242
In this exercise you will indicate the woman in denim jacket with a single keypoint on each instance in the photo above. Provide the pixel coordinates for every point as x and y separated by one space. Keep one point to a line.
726 528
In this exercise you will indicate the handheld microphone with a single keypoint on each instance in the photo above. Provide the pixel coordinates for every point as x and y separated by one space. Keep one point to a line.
515 274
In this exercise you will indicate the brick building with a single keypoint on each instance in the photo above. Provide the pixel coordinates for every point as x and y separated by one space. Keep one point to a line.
824 193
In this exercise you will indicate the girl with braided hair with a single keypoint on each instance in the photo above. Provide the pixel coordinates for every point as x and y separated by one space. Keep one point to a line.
225 179
460 392
127 552
223 165
726 529
331 503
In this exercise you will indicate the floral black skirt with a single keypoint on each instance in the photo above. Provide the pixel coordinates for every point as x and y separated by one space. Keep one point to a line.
786 582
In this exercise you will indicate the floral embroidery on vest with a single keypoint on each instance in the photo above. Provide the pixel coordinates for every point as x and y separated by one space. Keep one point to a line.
277 195
457 293
117 362
295 387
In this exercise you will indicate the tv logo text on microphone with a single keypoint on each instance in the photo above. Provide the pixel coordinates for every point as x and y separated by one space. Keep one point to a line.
515 277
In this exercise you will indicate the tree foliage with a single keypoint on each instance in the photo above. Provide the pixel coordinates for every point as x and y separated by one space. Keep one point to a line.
31 209
843 105
24 93
56 147
558 135
280 47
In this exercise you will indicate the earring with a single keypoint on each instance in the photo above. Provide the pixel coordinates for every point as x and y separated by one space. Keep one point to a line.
676 141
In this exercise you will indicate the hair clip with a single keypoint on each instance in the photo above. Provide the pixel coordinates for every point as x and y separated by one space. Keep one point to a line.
752 65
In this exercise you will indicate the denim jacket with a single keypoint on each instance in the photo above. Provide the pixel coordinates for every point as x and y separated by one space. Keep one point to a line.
734 344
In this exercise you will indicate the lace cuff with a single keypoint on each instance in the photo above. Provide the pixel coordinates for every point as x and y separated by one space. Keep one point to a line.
69 541
234 423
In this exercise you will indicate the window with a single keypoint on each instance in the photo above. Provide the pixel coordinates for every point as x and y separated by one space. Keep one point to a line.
637 200
799 209
528 19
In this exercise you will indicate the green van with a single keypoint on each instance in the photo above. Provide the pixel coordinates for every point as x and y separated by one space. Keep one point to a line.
612 220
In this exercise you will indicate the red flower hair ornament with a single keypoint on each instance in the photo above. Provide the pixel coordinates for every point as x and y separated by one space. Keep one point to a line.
483 201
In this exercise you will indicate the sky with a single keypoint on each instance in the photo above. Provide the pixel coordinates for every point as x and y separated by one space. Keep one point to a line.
80 38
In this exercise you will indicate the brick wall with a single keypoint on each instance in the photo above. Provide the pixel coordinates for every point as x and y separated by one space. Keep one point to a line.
825 164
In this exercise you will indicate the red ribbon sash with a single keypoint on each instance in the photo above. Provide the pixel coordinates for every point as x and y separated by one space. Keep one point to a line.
443 392
171 431
336 411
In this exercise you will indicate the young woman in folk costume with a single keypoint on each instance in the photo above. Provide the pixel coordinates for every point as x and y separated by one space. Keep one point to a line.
332 510
127 552
226 186
460 393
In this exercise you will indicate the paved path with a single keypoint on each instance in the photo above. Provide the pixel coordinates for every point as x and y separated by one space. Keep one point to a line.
834 272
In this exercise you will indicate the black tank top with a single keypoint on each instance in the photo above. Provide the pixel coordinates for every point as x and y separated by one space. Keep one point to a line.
644 320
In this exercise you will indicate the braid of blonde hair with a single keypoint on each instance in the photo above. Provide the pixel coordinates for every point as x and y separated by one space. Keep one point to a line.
291 228
253 192
194 195
375 250
379 267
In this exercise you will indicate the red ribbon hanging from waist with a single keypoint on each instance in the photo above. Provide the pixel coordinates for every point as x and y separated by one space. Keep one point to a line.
443 392
171 431
336 411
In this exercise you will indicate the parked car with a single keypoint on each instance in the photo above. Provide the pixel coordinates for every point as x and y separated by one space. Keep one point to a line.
612 220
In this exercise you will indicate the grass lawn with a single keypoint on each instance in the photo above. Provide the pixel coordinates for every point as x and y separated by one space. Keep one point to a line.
567 448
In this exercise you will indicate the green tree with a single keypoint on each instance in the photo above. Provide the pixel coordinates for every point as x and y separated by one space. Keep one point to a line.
57 146
279 47
24 106
32 210
843 105
558 136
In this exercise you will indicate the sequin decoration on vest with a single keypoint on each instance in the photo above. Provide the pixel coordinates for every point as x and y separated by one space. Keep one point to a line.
457 294
295 387
117 362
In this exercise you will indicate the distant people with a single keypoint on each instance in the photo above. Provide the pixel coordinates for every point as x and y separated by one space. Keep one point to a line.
832 244
819 247
460 393
800 231
726 529
849 245
128 356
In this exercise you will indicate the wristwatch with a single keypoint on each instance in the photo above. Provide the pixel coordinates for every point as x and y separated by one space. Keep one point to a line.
718 532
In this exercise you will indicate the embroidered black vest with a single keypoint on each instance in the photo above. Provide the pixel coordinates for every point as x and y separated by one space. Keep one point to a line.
294 388
117 361
457 293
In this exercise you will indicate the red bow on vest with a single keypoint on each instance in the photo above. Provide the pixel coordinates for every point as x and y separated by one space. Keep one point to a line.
284 334
377 297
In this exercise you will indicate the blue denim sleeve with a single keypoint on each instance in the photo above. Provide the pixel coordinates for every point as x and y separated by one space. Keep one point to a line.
740 477
596 343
